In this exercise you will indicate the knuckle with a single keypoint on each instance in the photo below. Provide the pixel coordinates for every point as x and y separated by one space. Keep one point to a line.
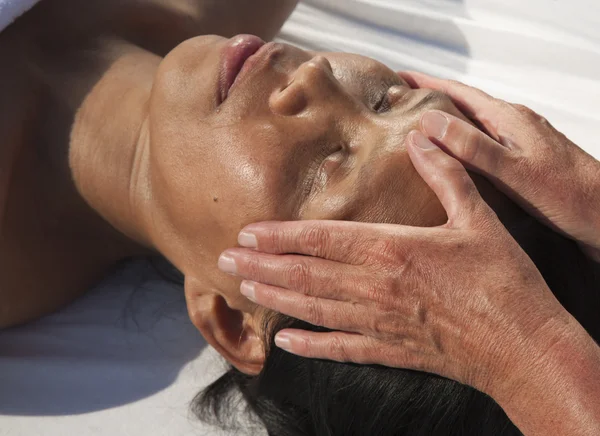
298 277
274 240
543 121
376 327
390 283
394 355
525 112
253 268
388 251
315 240
471 146
385 325
338 349
453 84
314 313
447 163
388 289
376 293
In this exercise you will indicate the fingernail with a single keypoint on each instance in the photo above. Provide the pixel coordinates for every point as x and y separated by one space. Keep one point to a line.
422 142
247 289
283 341
247 240
227 264
435 124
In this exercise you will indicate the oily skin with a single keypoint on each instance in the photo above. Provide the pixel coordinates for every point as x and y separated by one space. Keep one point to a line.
186 174
297 138
75 83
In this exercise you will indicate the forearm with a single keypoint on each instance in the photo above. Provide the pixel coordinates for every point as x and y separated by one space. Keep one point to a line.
561 395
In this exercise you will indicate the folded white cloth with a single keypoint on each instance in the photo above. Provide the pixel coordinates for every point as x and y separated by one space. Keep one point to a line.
10 10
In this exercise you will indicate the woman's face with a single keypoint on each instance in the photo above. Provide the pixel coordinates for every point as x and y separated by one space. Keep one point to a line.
298 135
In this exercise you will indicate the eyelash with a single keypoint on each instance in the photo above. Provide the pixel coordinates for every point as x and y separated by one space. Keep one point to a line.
383 102
322 175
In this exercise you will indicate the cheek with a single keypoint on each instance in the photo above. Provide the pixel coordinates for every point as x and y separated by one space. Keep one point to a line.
186 82
396 194
410 201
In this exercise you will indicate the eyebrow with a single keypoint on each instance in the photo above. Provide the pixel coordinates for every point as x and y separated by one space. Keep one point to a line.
421 104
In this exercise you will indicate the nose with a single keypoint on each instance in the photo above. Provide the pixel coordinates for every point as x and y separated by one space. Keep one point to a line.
312 83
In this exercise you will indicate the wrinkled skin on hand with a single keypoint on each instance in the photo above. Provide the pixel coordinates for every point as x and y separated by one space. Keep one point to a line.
523 155
461 300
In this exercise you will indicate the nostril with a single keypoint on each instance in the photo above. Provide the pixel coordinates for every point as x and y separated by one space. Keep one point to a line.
287 85
289 101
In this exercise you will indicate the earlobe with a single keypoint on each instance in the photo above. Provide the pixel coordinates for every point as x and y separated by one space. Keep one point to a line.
230 331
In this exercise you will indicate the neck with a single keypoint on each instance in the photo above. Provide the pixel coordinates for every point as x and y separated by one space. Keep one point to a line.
81 102
109 140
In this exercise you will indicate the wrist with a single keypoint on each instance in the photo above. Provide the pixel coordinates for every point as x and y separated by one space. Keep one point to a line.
558 391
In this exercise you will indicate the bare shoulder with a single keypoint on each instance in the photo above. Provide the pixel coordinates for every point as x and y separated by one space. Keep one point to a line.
52 245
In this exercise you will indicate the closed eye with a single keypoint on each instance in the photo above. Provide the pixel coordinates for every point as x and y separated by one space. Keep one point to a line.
390 98
382 104
329 166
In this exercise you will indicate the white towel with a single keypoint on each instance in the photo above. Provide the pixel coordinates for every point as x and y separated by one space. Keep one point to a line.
10 10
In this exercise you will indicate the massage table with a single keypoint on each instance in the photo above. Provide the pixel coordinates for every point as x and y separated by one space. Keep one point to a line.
125 360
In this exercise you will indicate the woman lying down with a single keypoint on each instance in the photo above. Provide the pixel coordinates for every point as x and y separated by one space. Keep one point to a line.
117 149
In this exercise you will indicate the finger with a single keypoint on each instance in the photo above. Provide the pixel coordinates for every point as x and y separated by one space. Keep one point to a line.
465 142
472 102
344 347
447 178
304 274
341 241
335 315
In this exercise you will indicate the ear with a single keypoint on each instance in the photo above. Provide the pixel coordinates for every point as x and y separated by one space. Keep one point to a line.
230 331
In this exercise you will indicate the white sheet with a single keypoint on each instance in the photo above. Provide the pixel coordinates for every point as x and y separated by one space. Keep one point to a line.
124 360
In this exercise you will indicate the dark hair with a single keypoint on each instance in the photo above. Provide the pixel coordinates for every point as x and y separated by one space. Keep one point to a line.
294 396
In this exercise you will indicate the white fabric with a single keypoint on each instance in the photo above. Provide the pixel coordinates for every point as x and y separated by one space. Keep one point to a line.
10 10
125 360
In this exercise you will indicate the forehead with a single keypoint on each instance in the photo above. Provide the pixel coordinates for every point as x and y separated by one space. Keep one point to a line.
382 186
359 71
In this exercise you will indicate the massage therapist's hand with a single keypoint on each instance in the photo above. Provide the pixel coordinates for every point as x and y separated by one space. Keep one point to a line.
461 300
542 170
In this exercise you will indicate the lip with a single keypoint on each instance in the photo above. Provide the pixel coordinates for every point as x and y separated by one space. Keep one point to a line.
234 57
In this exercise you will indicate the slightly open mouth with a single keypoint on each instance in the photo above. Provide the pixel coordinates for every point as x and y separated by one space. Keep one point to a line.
235 56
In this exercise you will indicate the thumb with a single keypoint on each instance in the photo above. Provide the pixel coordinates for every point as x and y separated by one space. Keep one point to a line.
467 143
447 178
